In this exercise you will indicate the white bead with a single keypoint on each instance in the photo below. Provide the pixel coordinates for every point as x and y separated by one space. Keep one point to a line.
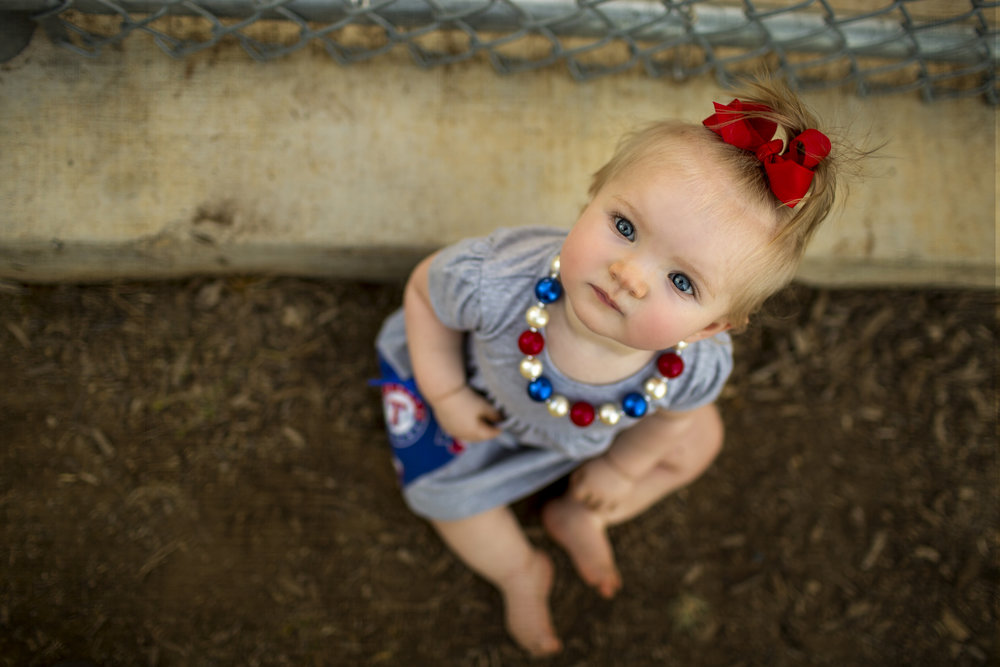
655 387
609 414
537 317
555 266
531 368
680 346
558 405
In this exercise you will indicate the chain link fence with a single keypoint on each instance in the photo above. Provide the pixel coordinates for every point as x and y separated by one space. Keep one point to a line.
941 48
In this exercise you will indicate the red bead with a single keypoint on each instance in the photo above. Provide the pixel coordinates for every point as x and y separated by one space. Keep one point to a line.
670 364
582 414
531 342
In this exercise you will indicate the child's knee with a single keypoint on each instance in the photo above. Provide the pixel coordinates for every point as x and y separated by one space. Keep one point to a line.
701 447
716 436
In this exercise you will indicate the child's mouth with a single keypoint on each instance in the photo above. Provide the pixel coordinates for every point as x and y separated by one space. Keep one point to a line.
605 299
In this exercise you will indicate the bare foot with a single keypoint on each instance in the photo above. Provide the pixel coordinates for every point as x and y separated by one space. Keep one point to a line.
526 598
581 533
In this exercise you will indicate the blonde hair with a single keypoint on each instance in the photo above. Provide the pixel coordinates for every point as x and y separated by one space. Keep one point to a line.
681 143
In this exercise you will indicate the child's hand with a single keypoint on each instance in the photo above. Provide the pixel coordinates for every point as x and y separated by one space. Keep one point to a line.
599 485
467 416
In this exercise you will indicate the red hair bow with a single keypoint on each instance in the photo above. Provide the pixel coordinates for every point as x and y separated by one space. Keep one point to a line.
789 174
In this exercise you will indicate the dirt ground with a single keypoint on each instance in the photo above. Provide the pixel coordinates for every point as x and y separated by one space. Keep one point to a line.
195 473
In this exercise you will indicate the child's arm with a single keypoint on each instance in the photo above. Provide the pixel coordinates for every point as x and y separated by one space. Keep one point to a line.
438 361
683 443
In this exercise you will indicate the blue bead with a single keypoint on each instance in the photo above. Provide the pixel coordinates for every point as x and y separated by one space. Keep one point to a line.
548 290
540 389
635 405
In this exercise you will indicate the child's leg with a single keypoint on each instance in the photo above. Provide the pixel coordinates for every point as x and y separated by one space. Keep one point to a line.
493 545
583 532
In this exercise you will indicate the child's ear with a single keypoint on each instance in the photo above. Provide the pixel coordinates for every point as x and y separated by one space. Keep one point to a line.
709 331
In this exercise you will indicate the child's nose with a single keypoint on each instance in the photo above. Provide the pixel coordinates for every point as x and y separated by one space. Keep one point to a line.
629 276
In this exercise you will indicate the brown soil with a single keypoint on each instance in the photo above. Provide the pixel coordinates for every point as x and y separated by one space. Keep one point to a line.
195 473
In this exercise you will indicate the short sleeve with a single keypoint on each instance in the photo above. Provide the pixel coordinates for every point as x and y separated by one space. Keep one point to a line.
477 283
455 284
708 364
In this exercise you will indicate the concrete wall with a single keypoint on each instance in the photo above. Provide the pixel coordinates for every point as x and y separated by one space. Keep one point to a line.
136 165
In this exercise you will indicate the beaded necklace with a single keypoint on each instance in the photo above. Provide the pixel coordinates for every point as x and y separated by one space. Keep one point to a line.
531 342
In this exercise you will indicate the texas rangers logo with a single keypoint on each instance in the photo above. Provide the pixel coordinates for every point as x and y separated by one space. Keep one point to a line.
405 415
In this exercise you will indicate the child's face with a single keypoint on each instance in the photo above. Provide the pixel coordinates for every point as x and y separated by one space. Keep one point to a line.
647 266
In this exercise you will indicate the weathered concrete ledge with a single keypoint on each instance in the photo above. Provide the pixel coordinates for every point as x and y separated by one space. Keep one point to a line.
134 165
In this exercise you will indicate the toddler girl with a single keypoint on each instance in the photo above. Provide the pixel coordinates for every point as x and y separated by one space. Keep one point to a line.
533 353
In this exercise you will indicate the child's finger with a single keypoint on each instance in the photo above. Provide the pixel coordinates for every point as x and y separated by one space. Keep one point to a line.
580 492
491 416
487 413
488 431
485 427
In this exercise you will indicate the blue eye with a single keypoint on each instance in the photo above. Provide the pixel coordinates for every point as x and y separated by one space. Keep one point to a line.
682 283
625 228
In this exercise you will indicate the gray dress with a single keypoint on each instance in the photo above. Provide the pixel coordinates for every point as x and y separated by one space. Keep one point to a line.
483 286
